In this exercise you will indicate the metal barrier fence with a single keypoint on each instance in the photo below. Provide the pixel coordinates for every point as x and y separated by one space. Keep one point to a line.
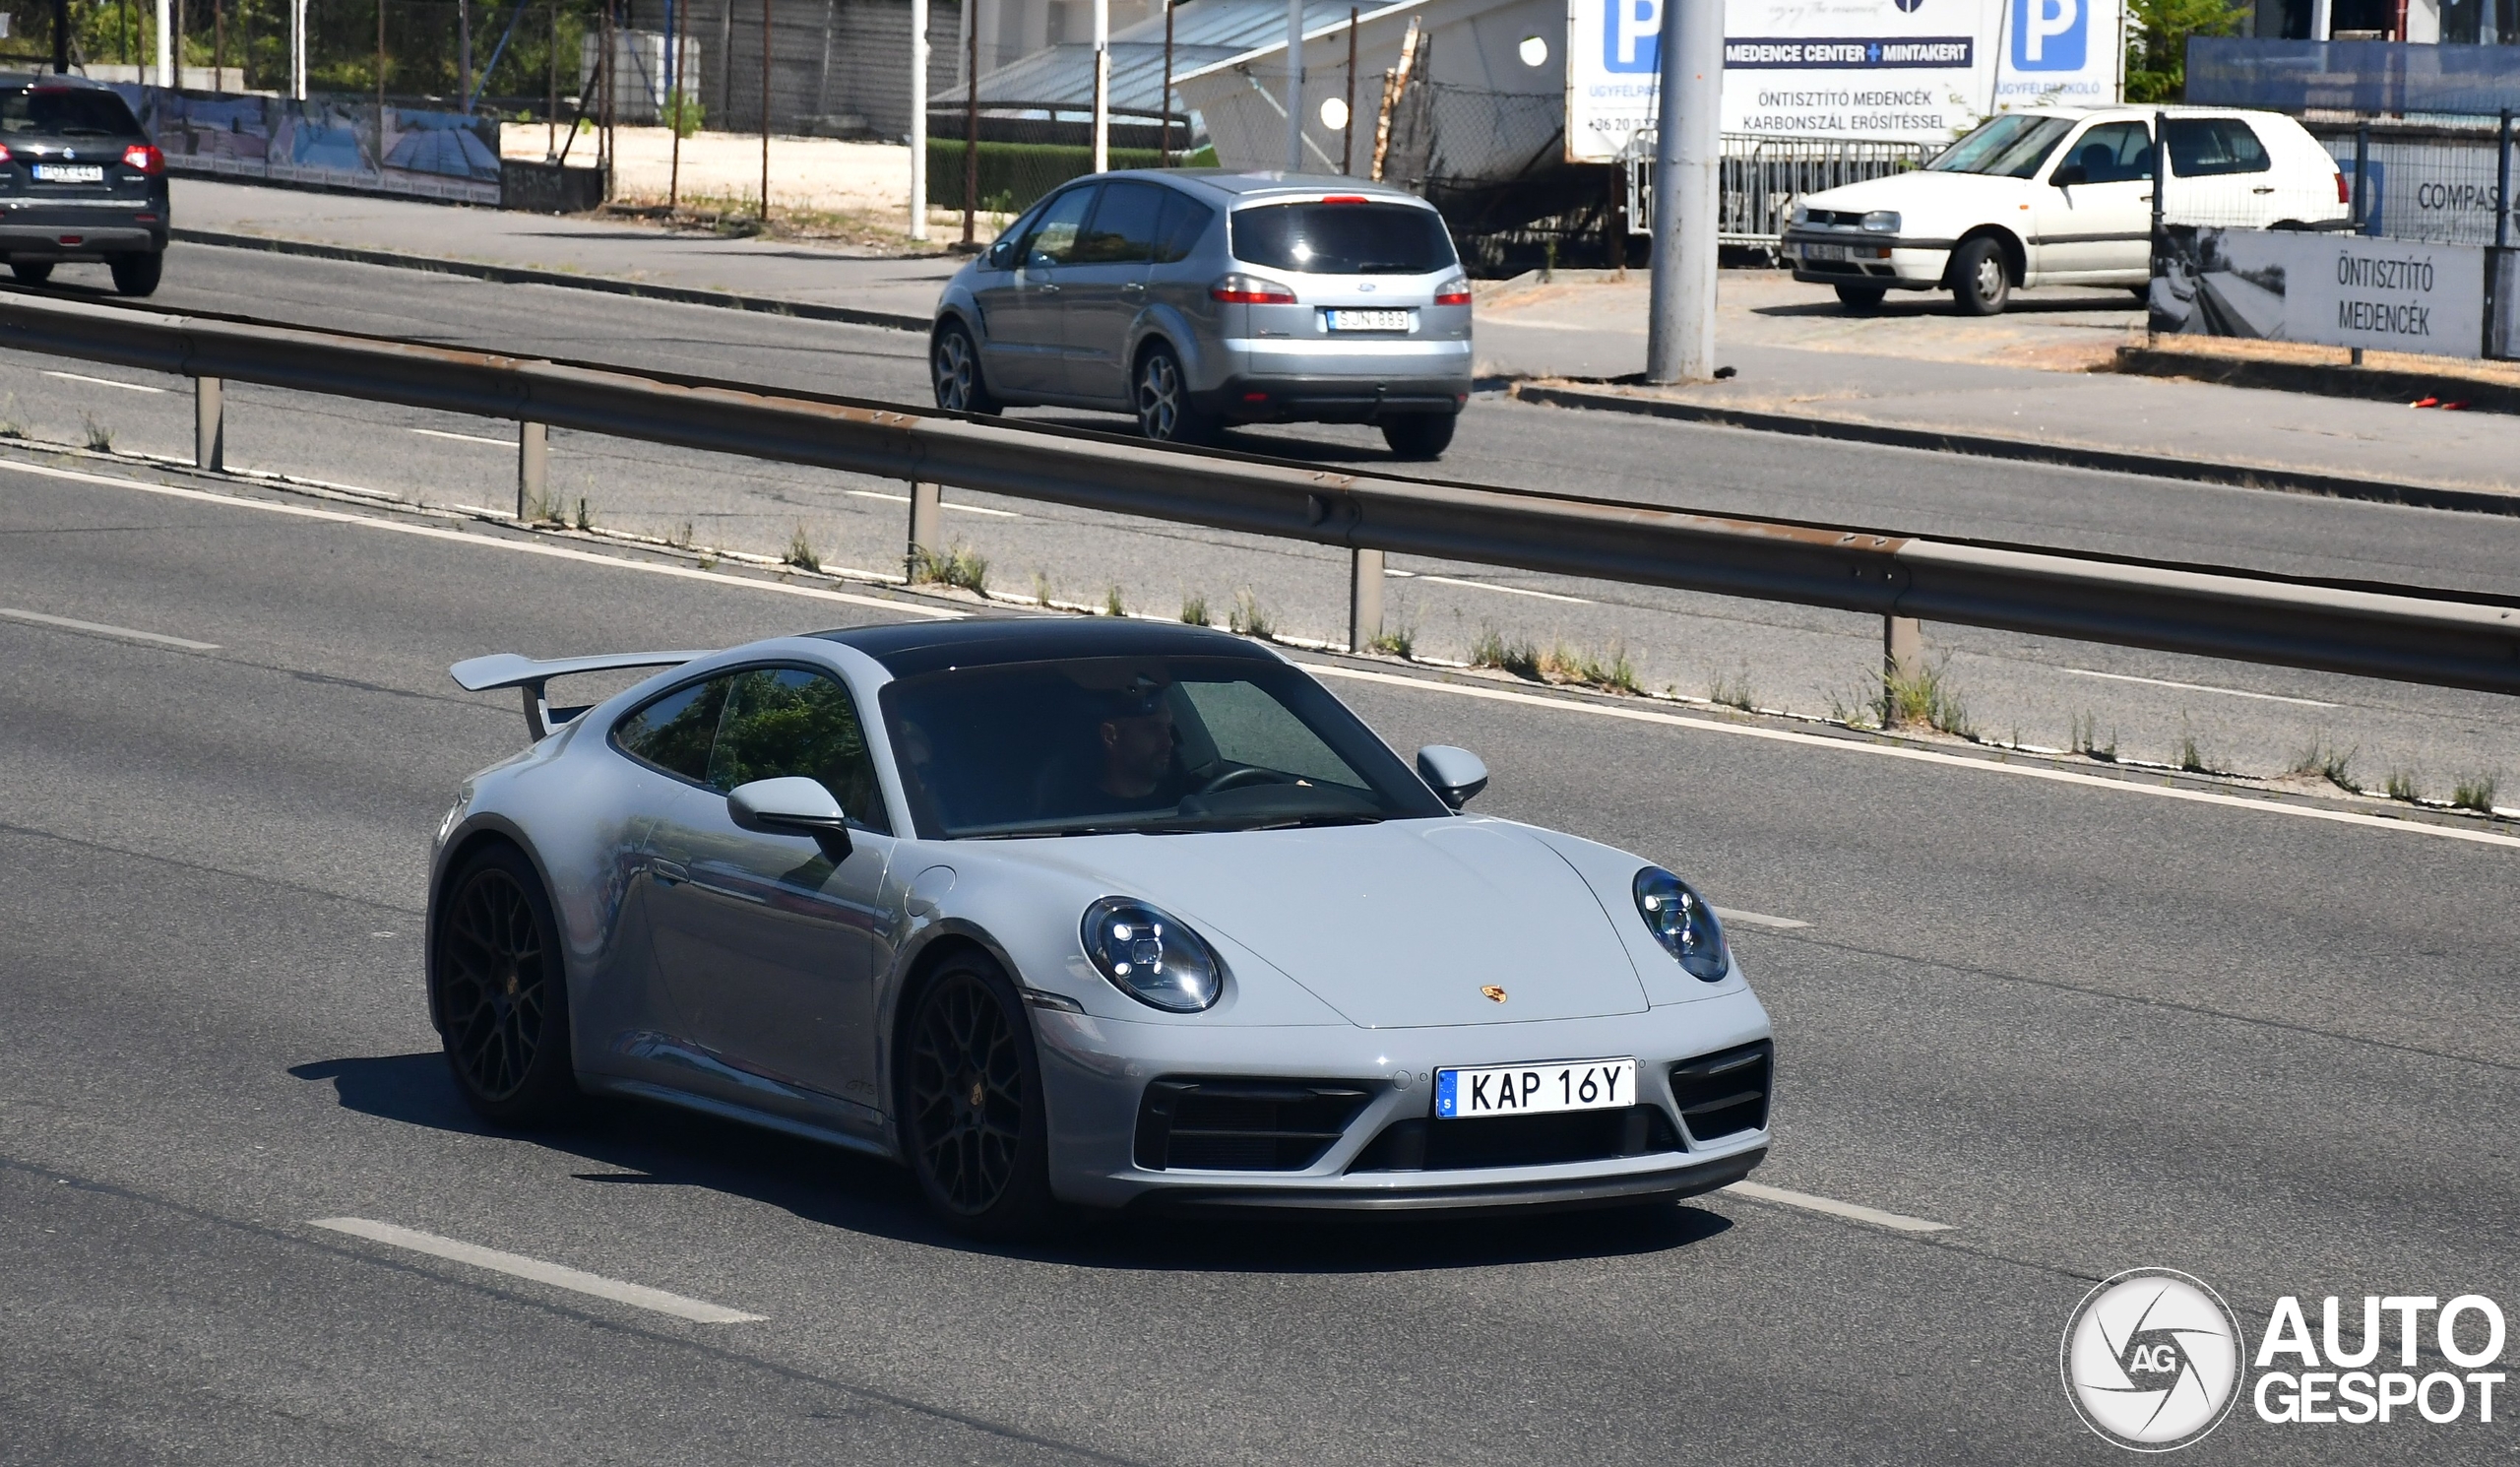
2443 638
1762 176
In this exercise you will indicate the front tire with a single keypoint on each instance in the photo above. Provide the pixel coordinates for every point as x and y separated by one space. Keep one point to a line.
955 365
1419 436
30 272
972 1121
1981 276
499 991
138 275
1861 297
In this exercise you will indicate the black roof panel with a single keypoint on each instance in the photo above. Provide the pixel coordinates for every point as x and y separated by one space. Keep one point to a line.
908 649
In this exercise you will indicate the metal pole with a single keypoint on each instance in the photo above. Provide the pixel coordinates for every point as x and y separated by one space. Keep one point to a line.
1347 134
765 111
2322 20
165 43
210 425
676 15
60 36
551 107
1680 343
1294 86
1364 599
297 49
1102 86
380 68
532 468
1163 139
972 125
464 50
918 118
2498 264
2502 184
2361 198
926 507
175 30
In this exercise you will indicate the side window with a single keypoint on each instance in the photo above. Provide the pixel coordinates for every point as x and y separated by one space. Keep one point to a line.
1122 230
780 721
2113 153
2201 146
1053 239
1185 219
1002 254
673 732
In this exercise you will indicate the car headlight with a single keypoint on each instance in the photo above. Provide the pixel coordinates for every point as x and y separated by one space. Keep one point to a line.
1682 922
1802 215
1882 221
1152 956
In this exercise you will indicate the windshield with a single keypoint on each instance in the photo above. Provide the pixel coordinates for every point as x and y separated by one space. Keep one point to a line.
1150 744
1342 238
2012 146
66 112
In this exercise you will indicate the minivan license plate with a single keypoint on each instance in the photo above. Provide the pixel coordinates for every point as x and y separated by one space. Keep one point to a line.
1368 320
70 172
1535 1089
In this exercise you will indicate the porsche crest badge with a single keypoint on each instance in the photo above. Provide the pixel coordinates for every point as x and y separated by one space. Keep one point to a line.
1495 993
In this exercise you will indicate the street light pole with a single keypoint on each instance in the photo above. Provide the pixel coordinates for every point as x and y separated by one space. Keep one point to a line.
1102 86
918 119
1294 86
1679 341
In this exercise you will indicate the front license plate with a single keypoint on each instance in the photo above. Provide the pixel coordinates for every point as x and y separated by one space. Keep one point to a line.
1827 252
1535 1089
1368 320
70 172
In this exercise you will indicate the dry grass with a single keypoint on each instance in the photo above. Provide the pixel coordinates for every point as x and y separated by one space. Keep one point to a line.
960 566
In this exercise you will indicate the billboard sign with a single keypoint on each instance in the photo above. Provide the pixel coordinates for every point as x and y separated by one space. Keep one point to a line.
2331 289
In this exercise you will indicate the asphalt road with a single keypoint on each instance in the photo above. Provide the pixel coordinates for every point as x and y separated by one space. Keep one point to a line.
2086 1026
2022 689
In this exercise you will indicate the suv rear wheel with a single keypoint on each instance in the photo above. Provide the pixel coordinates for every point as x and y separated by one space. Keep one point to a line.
1981 276
1420 435
30 272
1160 393
137 275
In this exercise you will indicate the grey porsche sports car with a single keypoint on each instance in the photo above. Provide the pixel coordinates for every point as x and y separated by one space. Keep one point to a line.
1086 913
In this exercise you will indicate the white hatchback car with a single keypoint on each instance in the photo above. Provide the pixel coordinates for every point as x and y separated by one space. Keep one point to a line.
2059 197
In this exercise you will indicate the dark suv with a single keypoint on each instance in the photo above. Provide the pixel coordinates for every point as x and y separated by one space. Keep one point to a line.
79 181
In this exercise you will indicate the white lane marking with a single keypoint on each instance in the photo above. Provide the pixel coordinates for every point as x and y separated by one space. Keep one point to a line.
519 546
2196 687
520 1266
1508 589
105 382
110 631
1857 1211
463 437
1924 756
1758 919
961 509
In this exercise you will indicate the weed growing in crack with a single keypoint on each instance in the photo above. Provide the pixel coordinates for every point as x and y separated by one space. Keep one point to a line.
2193 757
800 550
1491 650
1923 694
2474 792
1113 603
1042 589
2404 784
1195 610
960 566
1249 618
586 519
1610 672
2323 760
1394 641
1735 691
101 438
2086 740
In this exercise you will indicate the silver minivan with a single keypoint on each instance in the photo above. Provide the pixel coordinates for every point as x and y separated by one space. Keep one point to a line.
1198 299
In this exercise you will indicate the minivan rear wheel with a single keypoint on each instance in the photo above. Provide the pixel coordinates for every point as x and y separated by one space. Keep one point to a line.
30 272
138 275
1160 392
955 363
1419 436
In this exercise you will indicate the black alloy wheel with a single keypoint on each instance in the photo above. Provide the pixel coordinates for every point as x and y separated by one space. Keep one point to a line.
138 275
1861 297
500 992
1981 276
973 1117
1162 396
1419 436
30 272
956 366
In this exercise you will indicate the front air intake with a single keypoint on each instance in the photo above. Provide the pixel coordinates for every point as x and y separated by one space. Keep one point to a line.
1725 1093
1242 1125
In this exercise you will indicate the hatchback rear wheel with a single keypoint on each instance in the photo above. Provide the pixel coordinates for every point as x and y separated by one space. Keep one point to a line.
1162 395
971 1115
956 364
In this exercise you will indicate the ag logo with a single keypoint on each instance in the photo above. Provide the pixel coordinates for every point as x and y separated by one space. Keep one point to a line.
2152 1360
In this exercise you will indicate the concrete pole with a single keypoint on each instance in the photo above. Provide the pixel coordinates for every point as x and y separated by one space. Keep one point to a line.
1364 599
926 510
918 118
297 49
166 43
210 425
2323 19
1903 648
1679 342
1101 85
1294 86
532 470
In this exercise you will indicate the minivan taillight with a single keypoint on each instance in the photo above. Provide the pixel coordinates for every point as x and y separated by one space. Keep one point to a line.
146 157
2343 190
1454 291
1249 290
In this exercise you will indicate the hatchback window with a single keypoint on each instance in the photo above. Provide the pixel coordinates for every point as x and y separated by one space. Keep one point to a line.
1124 226
67 112
1053 238
2114 152
2201 146
1342 238
781 723
2011 146
1185 219
673 732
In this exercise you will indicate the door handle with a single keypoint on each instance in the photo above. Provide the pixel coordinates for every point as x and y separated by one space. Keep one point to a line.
669 873
2263 189
1133 287
1046 288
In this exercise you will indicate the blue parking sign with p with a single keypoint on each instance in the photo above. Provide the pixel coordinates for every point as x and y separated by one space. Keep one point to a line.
1631 34
2050 35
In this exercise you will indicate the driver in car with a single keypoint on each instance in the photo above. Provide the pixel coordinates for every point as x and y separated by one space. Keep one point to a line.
1139 751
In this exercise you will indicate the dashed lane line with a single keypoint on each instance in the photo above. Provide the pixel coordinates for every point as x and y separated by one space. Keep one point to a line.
106 630
1853 1211
106 382
517 1265
463 437
960 509
2196 687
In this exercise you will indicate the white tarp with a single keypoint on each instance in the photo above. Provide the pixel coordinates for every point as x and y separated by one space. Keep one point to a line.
1919 71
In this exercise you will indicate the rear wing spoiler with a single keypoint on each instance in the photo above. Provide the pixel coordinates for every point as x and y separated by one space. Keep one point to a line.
499 670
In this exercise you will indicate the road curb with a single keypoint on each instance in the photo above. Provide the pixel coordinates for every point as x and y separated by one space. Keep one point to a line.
516 275
2032 451
2325 379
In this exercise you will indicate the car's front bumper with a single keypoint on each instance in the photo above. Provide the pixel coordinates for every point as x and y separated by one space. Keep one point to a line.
1890 262
1096 1073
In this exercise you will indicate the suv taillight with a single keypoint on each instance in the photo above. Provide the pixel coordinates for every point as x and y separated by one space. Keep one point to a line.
1249 290
2343 190
146 157
1454 291
4 154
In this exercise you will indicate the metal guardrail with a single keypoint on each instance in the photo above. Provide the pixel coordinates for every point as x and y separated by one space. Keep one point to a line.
2443 638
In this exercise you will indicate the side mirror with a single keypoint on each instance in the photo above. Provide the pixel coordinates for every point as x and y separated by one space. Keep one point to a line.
2069 174
1457 775
794 805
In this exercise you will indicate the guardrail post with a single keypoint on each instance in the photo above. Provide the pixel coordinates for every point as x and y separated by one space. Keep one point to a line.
926 507
210 425
532 468
1903 647
1364 599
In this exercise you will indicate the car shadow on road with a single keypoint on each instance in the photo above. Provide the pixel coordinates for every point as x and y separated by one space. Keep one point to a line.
655 1145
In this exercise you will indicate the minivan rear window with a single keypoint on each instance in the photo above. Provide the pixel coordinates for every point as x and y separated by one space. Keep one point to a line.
1342 238
66 112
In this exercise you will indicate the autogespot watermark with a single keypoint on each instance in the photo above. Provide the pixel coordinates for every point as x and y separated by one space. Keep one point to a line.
2154 1359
